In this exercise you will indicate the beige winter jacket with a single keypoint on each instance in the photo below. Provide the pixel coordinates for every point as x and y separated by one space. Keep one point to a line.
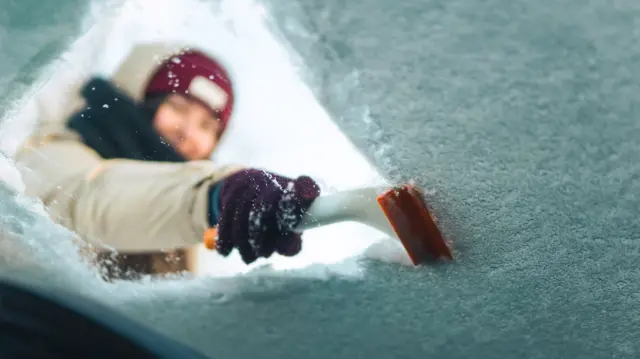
131 206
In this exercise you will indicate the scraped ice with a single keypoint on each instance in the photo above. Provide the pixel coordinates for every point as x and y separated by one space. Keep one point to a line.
279 125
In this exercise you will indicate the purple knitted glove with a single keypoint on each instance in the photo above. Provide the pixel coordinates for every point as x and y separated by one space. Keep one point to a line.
258 211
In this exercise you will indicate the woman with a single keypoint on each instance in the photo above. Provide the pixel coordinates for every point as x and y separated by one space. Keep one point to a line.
129 169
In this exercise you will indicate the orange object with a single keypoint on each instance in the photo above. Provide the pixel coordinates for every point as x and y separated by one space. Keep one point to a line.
210 238
414 226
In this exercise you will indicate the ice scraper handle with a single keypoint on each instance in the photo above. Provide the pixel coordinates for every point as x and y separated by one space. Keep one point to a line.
359 205
355 205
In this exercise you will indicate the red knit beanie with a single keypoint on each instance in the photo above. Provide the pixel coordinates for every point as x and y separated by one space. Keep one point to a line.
196 75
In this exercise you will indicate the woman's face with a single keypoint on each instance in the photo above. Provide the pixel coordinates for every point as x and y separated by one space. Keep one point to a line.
188 126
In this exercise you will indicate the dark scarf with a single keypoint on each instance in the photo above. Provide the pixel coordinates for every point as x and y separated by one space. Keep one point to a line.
116 127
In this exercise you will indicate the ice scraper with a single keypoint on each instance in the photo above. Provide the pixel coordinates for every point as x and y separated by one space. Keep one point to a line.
399 212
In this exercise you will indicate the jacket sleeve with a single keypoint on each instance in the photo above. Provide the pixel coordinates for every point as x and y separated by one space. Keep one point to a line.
133 206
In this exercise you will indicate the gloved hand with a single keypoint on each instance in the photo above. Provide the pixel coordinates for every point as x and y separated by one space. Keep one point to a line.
257 211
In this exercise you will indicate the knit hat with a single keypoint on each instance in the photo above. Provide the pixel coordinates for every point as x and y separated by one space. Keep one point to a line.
198 76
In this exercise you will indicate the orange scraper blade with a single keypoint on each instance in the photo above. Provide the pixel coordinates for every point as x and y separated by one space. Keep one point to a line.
410 218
